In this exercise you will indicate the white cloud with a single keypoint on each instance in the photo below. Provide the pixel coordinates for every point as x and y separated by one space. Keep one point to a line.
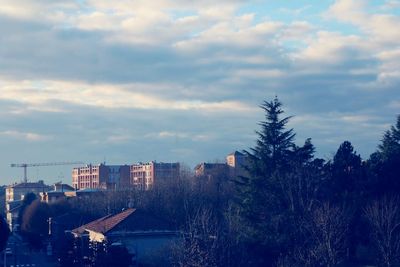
331 48
37 95
382 28
27 136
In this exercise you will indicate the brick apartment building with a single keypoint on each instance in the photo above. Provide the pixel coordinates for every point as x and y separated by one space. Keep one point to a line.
100 176
144 175
140 175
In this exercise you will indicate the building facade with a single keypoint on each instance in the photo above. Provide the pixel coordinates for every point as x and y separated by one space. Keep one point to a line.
100 176
143 176
19 190
15 194
210 170
236 162
119 176
113 177
89 176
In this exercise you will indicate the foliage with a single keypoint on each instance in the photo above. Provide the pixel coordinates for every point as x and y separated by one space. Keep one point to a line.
35 223
385 163
383 216
28 199
4 233
280 184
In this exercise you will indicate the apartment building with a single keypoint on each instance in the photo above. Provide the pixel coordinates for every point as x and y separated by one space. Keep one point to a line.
233 167
15 193
236 162
209 170
100 176
143 176
19 190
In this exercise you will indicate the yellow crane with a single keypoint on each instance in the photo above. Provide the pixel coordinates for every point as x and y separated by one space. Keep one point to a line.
26 165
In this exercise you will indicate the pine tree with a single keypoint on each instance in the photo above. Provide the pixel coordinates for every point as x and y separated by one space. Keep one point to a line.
384 164
260 192
347 172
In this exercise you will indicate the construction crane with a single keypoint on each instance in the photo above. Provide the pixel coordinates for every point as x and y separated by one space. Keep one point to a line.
26 165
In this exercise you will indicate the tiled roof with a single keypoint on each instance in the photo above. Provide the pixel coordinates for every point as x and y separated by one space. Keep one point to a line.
29 185
82 229
105 224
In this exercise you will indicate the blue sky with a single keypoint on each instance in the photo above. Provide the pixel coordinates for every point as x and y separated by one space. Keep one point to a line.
171 80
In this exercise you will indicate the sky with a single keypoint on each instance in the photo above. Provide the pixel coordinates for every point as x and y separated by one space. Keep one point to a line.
181 81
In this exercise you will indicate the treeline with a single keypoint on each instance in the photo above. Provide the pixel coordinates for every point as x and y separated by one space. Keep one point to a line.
289 209
298 210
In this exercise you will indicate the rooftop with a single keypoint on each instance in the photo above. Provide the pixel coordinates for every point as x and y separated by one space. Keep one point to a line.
236 153
104 224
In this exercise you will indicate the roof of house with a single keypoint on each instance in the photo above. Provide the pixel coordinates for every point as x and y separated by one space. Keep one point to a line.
104 224
90 190
29 185
63 187
130 220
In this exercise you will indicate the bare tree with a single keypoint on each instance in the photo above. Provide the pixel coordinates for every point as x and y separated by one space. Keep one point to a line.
325 231
383 216
199 243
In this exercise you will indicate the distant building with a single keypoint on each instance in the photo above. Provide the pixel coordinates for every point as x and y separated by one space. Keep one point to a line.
15 194
210 170
119 175
144 175
19 190
100 176
59 192
142 234
236 162
234 166
85 192
12 212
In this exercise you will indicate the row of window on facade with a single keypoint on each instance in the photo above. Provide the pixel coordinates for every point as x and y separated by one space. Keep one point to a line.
141 176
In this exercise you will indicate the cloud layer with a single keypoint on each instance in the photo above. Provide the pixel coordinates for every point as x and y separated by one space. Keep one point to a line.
177 81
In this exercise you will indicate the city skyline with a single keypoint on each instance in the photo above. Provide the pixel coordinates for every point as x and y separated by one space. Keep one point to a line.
169 81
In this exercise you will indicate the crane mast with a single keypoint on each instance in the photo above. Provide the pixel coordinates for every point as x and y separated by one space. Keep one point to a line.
26 165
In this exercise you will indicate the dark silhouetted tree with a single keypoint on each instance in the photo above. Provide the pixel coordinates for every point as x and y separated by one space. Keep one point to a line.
384 165
4 233
383 216
267 197
35 223
28 199
346 173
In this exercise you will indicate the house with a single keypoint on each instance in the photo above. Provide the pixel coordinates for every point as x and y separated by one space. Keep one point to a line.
59 192
143 235
19 190
12 213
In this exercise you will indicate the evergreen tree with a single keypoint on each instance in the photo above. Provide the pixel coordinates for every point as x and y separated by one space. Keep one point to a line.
262 192
384 165
347 173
